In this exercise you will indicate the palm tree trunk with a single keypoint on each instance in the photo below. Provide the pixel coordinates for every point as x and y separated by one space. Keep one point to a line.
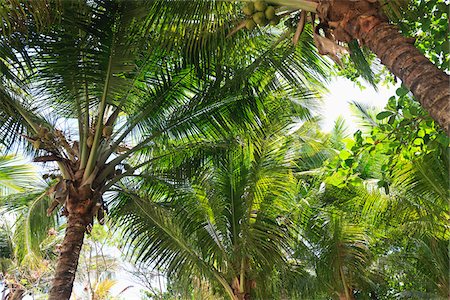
427 83
363 21
68 259
16 292
346 296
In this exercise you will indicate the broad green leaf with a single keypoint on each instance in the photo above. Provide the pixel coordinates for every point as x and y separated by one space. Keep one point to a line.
384 114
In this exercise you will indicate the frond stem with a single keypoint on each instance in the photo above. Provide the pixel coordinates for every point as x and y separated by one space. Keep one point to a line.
99 126
83 147
28 225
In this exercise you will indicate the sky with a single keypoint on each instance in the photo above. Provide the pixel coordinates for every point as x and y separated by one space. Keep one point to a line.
342 91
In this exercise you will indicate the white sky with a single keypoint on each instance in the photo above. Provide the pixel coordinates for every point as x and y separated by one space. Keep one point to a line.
342 91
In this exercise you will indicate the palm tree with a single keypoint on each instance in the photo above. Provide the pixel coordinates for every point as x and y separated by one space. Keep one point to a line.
27 266
228 224
24 260
410 220
104 90
345 21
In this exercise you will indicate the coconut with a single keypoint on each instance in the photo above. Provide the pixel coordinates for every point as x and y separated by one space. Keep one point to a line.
260 5
259 18
250 24
90 141
107 131
275 21
270 12
248 9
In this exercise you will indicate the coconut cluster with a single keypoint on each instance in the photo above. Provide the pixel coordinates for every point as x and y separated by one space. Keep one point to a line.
43 138
259 13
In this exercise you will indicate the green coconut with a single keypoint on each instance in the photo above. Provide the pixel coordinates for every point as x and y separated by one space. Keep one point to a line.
260 6
249 9
250 24
270 12
259 18
275 21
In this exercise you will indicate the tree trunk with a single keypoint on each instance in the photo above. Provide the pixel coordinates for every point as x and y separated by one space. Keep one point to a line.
428 84
346 295
68 259
363 21
16 292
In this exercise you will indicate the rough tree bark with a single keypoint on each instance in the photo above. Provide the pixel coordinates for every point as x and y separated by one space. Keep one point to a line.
362 20
68 259
79 210
16 292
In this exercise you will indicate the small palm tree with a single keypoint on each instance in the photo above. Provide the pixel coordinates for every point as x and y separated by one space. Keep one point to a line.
228 223
24 260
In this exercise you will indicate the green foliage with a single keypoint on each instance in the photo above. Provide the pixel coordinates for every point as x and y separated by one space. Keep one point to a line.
217 185
15 176
223 223
427 21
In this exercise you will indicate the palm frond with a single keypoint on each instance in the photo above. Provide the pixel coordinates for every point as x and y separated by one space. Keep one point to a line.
15 175
358 57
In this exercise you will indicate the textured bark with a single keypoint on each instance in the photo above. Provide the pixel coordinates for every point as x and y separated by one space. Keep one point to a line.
68 259
363 21
343 296
16 292
427 83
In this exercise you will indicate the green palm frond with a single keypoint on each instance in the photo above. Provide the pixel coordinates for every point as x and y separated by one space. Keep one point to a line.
426 178
225 214
423 187
155 235
432 261
31 223
15 175
359 58
366 114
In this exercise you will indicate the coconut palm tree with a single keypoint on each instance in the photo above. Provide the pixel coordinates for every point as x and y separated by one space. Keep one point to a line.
103 90
228 224
356 23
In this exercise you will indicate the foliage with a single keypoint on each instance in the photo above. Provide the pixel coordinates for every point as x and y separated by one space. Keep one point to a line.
427 21
212 163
